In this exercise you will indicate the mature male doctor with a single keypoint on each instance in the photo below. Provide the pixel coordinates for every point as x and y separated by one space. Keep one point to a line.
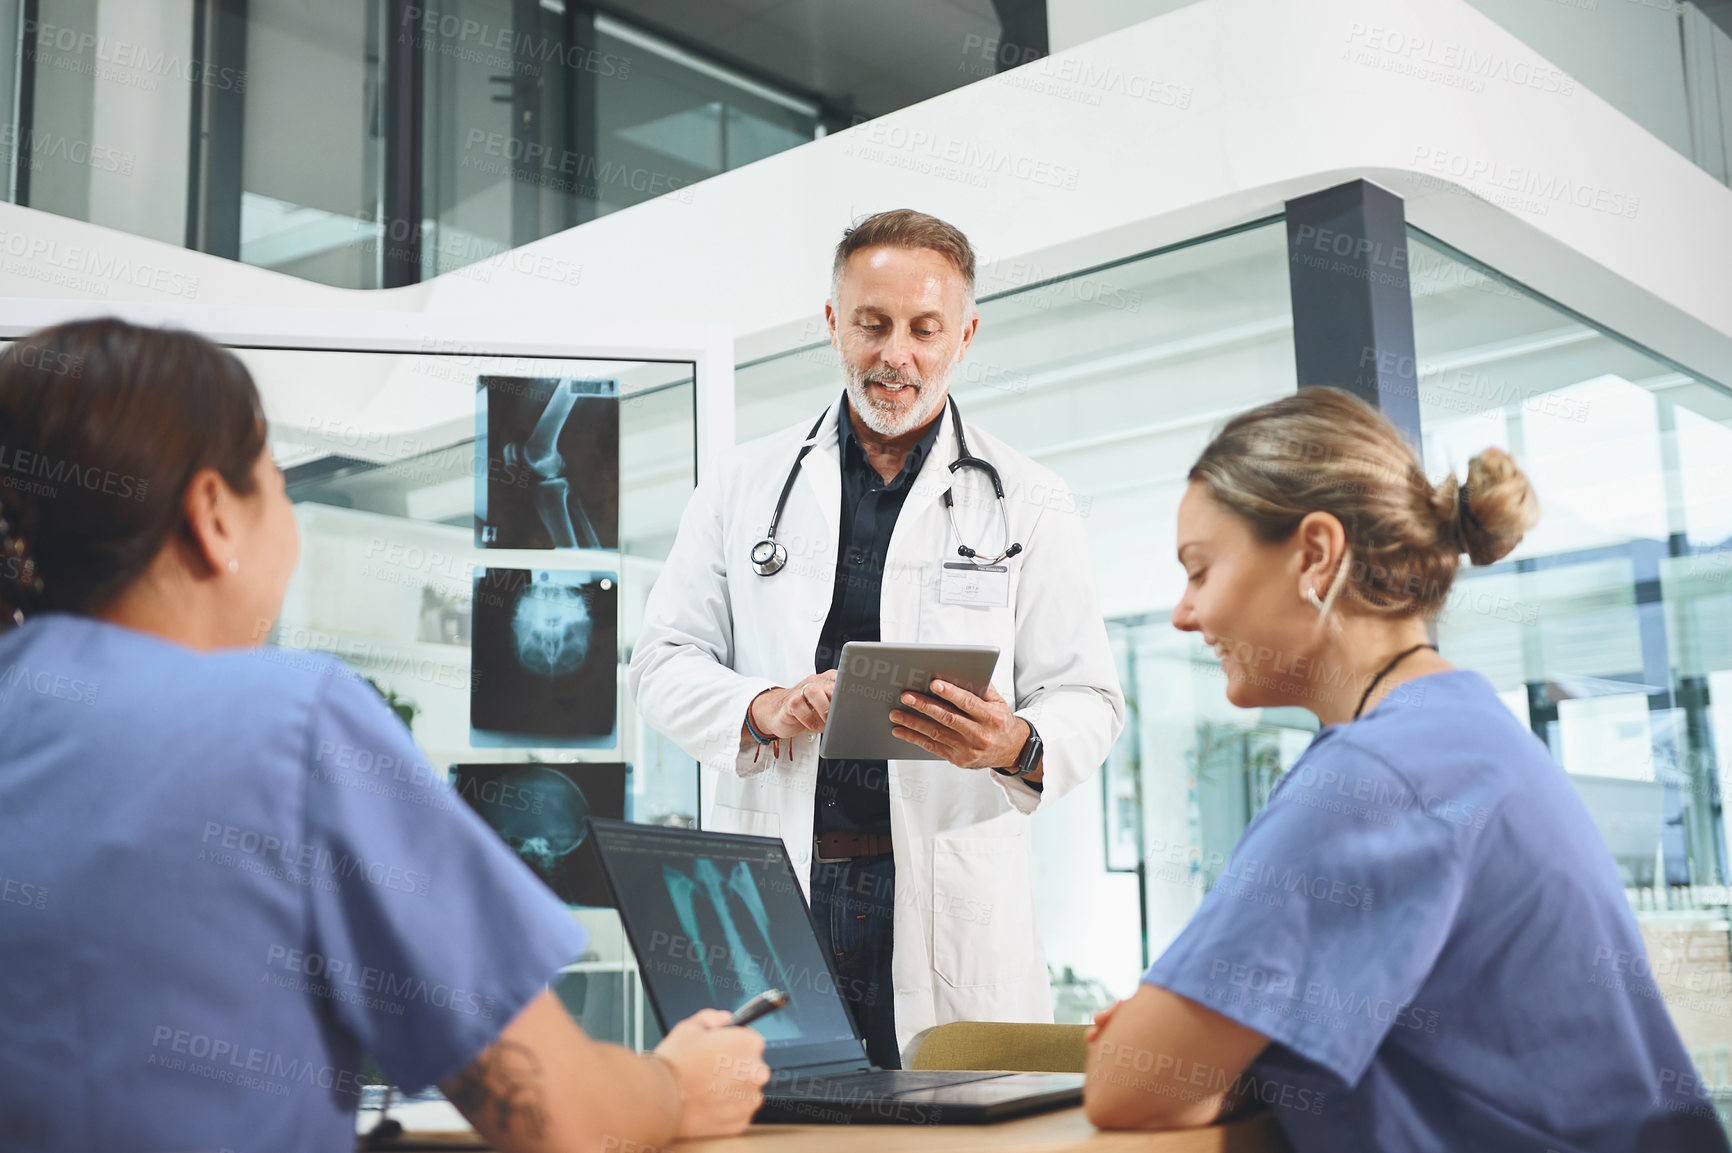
921 874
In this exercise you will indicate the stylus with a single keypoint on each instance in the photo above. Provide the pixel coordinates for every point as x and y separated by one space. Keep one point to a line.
762 1005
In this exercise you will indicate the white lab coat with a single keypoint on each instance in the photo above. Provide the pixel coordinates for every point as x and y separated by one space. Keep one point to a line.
716 634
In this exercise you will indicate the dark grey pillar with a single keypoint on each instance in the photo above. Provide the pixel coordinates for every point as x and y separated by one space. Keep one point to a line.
218 129
195 135
529 130
1022 33
582 116
405 85
25 128
1352 311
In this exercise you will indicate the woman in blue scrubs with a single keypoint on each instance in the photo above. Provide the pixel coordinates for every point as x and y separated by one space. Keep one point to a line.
227 876
1421 943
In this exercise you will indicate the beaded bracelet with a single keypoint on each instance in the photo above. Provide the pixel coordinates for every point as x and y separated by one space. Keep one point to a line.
752 729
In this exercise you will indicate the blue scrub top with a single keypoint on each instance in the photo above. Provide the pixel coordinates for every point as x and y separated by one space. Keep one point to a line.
225 880
1426 924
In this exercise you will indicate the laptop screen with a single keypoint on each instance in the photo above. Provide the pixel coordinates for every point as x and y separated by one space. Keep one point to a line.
716 919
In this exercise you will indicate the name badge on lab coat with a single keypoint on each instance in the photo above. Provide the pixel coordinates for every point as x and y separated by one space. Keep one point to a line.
961 583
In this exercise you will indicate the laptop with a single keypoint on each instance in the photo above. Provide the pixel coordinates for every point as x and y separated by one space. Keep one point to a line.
716 918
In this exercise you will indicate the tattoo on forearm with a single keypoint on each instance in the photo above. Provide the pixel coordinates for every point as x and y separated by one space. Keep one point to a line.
503 1086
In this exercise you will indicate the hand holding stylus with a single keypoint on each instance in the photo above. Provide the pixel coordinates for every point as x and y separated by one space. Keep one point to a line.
719 1072
762 1005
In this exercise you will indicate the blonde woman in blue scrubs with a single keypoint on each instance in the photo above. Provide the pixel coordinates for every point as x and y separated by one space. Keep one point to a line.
213 906
1402 951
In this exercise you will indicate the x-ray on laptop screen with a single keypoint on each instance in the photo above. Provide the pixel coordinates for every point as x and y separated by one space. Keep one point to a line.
716 919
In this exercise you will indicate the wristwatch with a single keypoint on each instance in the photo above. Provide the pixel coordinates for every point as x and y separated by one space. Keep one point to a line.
1028 760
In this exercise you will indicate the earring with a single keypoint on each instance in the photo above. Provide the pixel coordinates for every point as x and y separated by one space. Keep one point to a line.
1316 601
233 565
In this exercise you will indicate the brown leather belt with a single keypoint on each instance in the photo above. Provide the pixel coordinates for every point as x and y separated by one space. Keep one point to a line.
847 846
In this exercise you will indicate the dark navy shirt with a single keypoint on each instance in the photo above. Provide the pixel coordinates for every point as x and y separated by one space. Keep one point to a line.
1427 926
855 795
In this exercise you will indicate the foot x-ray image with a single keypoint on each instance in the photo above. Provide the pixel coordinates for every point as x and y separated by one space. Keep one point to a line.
550 455
542 811
544 656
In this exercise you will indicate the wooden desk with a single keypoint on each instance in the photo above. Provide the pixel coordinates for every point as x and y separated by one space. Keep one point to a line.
1066 1131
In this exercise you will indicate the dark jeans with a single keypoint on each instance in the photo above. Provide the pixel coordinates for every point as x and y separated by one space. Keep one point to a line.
854 903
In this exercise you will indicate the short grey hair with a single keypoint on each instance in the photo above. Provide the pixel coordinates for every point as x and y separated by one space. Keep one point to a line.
906 228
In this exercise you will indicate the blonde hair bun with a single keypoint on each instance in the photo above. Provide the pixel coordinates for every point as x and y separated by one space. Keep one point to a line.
1487 515
1325 450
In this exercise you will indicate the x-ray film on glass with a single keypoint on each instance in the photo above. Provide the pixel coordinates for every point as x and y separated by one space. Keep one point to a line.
547 455
542 811
545 651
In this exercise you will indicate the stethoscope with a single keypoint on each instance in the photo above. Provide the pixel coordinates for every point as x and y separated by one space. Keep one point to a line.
769 556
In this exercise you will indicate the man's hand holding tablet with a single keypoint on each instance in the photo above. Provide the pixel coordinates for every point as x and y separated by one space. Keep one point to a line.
958 713
969 731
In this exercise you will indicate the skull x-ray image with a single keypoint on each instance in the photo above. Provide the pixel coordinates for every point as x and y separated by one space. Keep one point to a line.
548 457
542 811
545 652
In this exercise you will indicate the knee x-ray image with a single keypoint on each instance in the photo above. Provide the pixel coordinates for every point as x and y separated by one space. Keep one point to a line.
542 811
549 452
544 656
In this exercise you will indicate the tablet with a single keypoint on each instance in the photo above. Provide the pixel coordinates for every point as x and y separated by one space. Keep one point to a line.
870 681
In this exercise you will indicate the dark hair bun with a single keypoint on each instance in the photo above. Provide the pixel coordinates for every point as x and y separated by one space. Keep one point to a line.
1488 514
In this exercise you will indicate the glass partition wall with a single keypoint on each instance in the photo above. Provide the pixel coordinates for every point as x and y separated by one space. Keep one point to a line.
366 143
388 575
553 115
1609 629
376 143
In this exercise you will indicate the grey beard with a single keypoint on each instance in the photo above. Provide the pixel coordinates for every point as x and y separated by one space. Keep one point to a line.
928 400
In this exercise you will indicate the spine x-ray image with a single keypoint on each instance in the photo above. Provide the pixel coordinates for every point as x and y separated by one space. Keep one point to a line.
544 655
549 450
729 912
542 811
